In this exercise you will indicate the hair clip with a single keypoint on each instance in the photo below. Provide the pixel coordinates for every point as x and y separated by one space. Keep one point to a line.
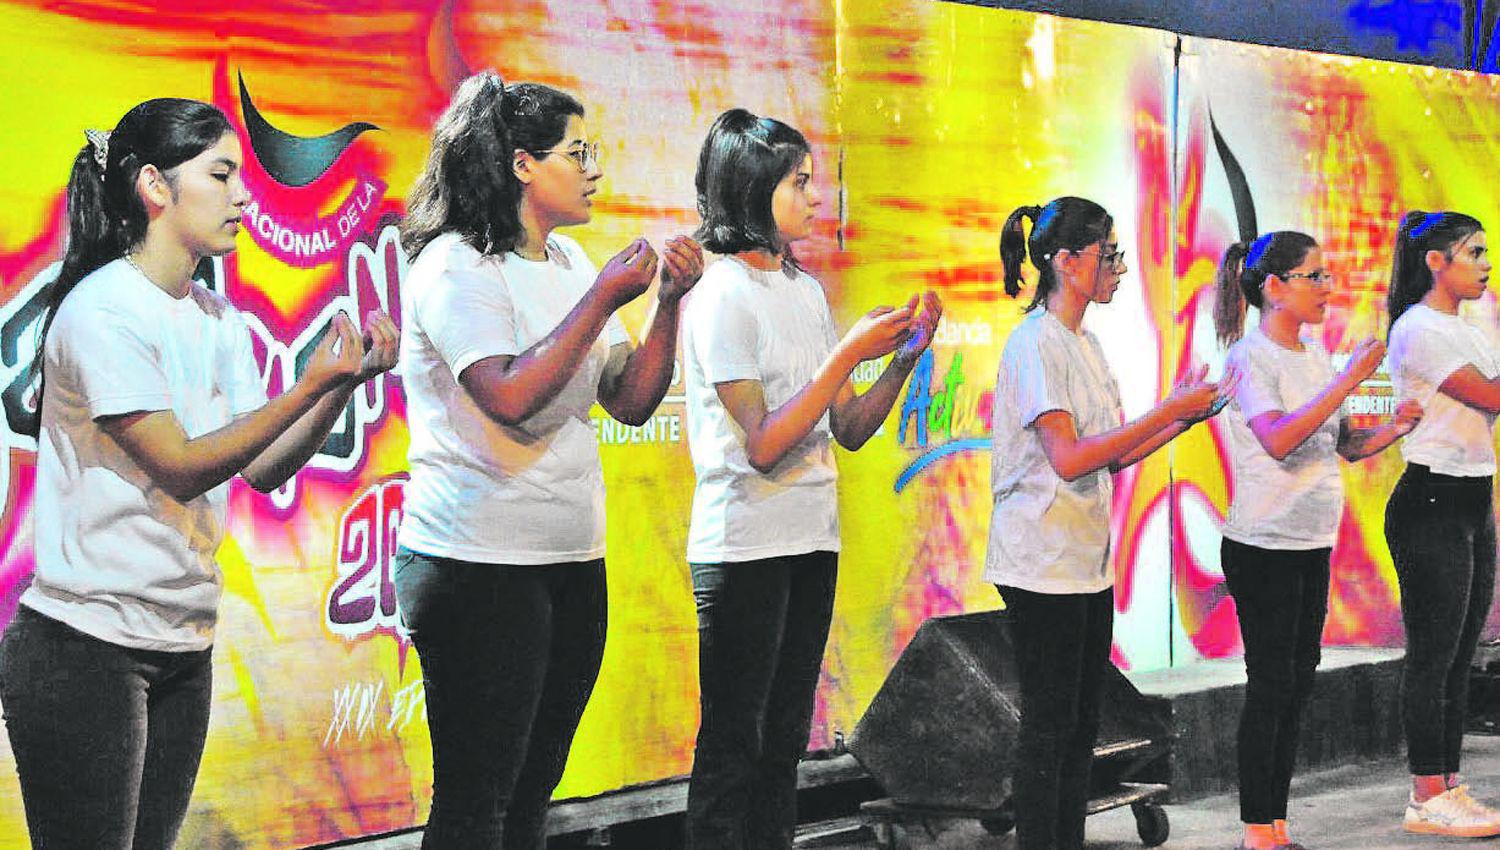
1428 221
99 141
1257 249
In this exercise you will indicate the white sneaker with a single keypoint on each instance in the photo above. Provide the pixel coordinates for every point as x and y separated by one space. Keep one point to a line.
1478 808
1452 812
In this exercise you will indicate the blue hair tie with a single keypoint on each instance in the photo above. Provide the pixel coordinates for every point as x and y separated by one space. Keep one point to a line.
1428 221
1257 248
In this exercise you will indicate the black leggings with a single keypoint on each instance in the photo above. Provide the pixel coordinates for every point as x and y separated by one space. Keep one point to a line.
509 658
107 739
1281 597
1062 649
1441 531
762 626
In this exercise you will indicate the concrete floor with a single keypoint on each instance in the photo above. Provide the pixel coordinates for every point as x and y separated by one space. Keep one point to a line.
1356 807
1349 808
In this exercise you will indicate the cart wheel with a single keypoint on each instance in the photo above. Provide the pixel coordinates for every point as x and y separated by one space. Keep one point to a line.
892 836
1151 823
998 825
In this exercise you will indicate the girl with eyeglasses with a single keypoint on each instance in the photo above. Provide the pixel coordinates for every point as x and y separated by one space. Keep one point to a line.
1058 436
1287 427
768 392
512 337
151 400
1440 521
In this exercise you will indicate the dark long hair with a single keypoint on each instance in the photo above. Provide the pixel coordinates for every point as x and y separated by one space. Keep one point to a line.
1419 233
106 217
1242 276
743 158
1066 223
468 185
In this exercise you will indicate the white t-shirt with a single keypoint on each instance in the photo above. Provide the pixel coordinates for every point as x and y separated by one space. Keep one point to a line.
1426 347
1048 535
482 491
745 324
1294 503
117 557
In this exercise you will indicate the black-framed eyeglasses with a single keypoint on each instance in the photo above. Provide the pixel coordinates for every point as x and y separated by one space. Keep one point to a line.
1110 257
1320 279
584 156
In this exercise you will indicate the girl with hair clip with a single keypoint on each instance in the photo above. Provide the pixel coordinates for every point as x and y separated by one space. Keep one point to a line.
512 338
1286 431
1058 434
151 401
1440 521
767 387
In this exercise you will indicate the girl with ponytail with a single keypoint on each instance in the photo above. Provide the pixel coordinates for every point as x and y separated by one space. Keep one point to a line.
1440 521
151 401
1059 433
768 393
1286 430
512 339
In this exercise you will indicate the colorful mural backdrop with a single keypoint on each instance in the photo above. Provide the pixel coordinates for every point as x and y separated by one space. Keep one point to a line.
930 122
1339 148
945 142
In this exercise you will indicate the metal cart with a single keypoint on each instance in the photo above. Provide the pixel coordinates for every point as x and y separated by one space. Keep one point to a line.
893 821
940 737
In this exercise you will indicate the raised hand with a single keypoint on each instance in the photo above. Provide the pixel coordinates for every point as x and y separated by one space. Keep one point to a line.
627 274
878 332
382 343
1408 414
1365 359
923 326
682 269
1227 384
1194 399
336 359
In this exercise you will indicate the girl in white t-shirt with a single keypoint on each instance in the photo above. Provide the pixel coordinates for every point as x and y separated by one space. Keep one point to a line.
150 402
1058 435
511 339
1440 520
1286 430
767 391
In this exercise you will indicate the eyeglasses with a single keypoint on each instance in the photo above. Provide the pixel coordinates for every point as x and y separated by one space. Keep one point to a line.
1111 257
585 157
1318 279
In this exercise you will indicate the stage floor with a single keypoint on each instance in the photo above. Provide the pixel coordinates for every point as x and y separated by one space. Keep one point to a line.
1357 807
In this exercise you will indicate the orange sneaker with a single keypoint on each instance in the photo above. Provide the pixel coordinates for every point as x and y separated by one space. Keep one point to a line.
1452 812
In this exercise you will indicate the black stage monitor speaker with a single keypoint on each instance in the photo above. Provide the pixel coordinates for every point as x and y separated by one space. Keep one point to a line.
942 730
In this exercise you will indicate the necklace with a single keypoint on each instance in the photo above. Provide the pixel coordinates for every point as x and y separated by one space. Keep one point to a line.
151 280
542 259
131 260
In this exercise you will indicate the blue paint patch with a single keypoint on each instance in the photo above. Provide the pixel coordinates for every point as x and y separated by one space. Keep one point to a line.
1414 23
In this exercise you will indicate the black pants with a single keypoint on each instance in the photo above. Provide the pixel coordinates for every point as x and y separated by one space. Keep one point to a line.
1441 531
762 627
1281 597
1062 649
509 658
107 739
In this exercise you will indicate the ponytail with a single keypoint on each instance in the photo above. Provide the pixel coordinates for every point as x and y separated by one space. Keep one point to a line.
106 218
1064 224
1242 276
1418 233
468 184
1229 299
99 230
1013 248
